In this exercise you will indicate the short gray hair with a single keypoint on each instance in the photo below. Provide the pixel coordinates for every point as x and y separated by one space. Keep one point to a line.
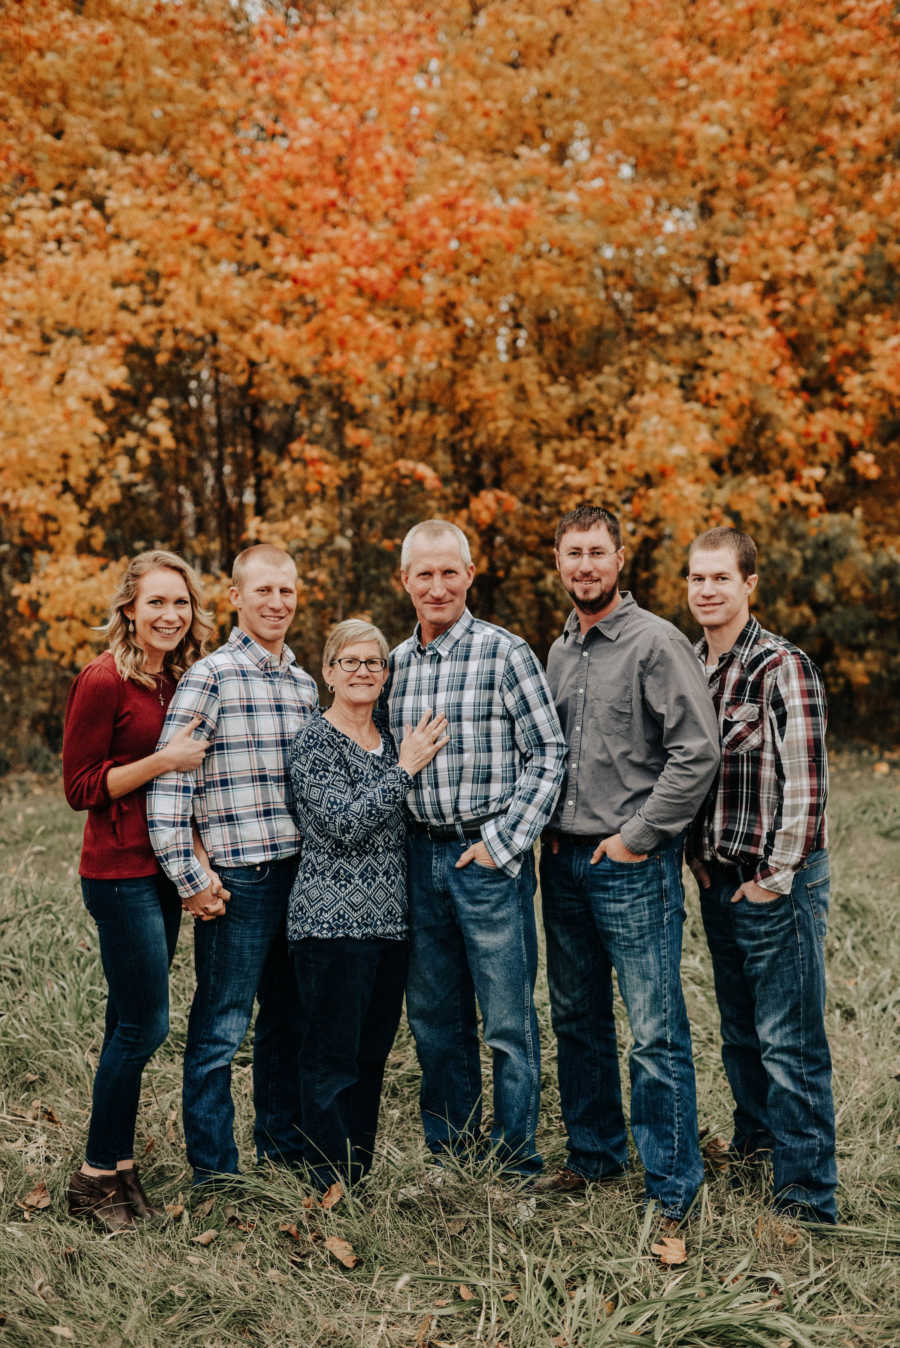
433 529
350 630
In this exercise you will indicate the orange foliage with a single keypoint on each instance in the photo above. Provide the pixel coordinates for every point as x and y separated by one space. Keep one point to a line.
313 276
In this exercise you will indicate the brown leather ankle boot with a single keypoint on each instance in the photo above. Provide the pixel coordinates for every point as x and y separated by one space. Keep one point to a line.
101 1199
133 1190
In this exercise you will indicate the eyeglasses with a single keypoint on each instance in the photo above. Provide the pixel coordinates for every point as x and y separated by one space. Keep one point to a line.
592 554
349 664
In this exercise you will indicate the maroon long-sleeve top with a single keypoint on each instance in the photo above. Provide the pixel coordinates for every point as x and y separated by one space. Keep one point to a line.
111 721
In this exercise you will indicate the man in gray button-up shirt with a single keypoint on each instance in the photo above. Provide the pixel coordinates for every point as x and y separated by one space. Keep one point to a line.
643 750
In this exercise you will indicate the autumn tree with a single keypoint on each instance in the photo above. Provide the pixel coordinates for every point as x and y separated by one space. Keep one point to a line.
308 274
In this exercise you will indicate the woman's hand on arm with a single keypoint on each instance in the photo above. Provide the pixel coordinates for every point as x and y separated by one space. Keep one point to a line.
420 744
182 754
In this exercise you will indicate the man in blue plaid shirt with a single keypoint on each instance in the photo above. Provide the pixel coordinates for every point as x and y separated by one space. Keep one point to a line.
476 811
250 697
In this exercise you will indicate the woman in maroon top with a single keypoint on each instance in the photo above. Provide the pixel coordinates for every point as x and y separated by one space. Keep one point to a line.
114 715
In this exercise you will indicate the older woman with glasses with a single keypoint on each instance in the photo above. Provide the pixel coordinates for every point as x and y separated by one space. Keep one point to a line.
347 919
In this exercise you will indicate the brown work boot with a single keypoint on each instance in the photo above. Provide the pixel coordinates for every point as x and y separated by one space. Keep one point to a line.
137 1200
565 1181
101 1199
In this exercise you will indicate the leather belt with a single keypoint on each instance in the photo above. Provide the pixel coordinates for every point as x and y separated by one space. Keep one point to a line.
449 832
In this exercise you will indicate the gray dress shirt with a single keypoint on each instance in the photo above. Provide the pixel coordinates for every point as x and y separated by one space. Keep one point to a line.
640 727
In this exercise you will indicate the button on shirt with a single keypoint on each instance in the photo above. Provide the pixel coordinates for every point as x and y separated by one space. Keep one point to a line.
251 706
767 809
506 752
639 724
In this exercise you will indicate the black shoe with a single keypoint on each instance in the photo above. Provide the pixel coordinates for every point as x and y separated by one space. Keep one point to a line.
100 1199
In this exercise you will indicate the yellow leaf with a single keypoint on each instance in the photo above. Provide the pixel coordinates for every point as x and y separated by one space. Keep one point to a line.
205 1237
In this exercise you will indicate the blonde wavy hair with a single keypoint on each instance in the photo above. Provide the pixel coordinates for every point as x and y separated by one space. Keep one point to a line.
128 655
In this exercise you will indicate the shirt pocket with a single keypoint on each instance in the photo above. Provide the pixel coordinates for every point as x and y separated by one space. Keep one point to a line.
742 727
610 710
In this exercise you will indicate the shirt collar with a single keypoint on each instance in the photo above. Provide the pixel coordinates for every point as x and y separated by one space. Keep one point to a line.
258 655
443 644
742 648
609 627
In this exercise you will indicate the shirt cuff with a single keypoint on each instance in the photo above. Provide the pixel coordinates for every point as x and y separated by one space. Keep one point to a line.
191 881
506 859
639 836
780 882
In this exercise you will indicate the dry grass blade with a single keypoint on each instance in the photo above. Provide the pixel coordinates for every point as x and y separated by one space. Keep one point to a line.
582 1274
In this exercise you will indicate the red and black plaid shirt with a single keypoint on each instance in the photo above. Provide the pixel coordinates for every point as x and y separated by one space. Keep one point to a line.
766 808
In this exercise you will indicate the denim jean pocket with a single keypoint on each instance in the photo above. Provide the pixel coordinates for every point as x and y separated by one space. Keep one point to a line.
245 877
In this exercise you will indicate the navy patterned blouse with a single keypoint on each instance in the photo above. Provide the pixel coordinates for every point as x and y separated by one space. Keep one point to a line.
348 804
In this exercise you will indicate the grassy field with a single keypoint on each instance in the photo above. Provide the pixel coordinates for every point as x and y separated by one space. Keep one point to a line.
469 1262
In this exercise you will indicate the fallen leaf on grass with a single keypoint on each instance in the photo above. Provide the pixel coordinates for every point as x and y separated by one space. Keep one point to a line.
771 1227
456 1225
149 1145
174 1210
30 1079
39 1110
205 1237
342 1251
670 1250
290 1229
560 1341
36 1198
512 1295
205 1208
310 1202
331 1197
196 1259
171 1135
423 1337
62 1331
466 1293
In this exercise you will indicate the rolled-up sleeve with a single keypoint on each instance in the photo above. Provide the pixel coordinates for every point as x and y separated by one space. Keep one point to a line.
170 797
798 712
677 696
541 744
87 735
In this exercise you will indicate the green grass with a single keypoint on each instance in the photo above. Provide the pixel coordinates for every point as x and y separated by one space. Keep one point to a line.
469 1262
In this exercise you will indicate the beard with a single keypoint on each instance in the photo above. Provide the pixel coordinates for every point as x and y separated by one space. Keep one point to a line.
598 603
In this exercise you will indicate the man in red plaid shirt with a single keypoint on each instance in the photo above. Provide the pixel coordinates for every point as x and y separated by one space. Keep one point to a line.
758 851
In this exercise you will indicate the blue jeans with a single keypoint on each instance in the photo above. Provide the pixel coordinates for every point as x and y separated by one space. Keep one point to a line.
238 957
137 923
627 917
472 935
351 997
769 968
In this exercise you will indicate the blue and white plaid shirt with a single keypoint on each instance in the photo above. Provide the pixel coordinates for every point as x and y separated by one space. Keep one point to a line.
507 752
250 707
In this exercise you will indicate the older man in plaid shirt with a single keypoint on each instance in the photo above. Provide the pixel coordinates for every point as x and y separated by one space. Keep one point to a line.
758 850
475 813
251 698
